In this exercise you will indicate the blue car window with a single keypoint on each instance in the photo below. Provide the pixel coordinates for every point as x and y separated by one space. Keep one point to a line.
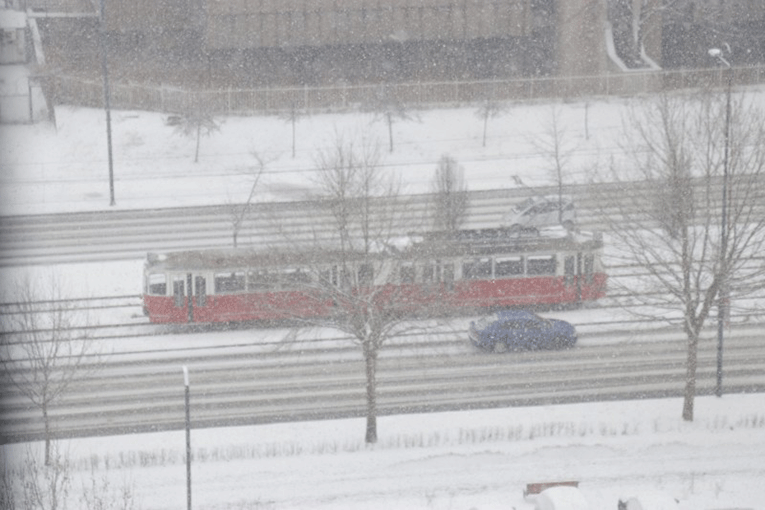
510 325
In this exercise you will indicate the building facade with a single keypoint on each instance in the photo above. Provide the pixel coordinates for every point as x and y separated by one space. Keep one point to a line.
312 42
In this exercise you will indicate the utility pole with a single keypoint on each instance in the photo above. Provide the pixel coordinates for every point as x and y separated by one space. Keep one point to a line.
722 304
188 439
107 101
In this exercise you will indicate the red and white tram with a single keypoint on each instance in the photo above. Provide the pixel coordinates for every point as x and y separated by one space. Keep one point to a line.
480 270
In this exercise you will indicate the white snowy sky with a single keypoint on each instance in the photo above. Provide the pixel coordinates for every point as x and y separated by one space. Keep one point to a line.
463 460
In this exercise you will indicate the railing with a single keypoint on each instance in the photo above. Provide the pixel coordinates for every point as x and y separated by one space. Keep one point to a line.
82 92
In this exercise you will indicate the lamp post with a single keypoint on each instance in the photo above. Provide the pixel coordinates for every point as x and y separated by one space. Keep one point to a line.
107 100
188 439
723 292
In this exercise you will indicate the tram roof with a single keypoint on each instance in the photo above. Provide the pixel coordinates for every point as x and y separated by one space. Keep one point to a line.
465 243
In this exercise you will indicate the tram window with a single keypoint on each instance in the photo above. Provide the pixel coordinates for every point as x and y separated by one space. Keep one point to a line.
258 280
200 290
328 276
438 272
226 283
337 277
179 283
541 265
428 273
476 269
366 274
431 272
294 278
157 284
447 273
589 267
508 266
569 269
407 273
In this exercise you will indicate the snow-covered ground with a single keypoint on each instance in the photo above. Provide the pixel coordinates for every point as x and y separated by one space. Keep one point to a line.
49 169
459 460
462 460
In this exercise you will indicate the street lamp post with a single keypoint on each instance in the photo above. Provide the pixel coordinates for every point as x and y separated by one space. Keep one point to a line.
723 292
188 437
107 100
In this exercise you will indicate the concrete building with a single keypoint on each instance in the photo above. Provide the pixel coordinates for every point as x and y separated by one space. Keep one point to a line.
13 45
21 94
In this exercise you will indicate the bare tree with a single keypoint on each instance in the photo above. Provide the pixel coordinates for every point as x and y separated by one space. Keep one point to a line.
100 494
30 485
292 116
45 345
8 499
489 109
669 221
586 120
354 258
350 182
450 196
555 144
386 105
196 121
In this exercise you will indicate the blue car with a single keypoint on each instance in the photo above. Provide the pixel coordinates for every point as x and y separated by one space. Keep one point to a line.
517 330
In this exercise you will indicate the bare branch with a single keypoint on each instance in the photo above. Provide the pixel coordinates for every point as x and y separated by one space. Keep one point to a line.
668 222
45 345
450 196
196 121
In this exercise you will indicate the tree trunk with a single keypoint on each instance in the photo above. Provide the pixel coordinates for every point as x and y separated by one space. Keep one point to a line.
294 120
690 376
46 422
196 152
390 130
586 120
370 357
485 126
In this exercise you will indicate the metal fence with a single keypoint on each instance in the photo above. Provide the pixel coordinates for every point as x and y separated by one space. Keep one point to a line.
71 90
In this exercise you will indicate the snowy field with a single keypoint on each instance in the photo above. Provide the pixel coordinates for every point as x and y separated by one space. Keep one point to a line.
47 169
463 460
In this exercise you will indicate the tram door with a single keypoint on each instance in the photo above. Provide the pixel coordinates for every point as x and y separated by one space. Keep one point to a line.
197 294
572 270
197 286
200 294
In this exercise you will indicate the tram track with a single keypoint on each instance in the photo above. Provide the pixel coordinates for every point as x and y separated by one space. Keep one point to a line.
128 235
277 386
138 326
239 382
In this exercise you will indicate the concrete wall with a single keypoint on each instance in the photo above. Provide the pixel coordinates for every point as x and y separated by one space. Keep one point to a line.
150 16
582 47
581 40
578 25
245 24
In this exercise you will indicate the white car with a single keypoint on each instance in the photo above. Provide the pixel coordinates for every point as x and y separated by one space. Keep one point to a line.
538 212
